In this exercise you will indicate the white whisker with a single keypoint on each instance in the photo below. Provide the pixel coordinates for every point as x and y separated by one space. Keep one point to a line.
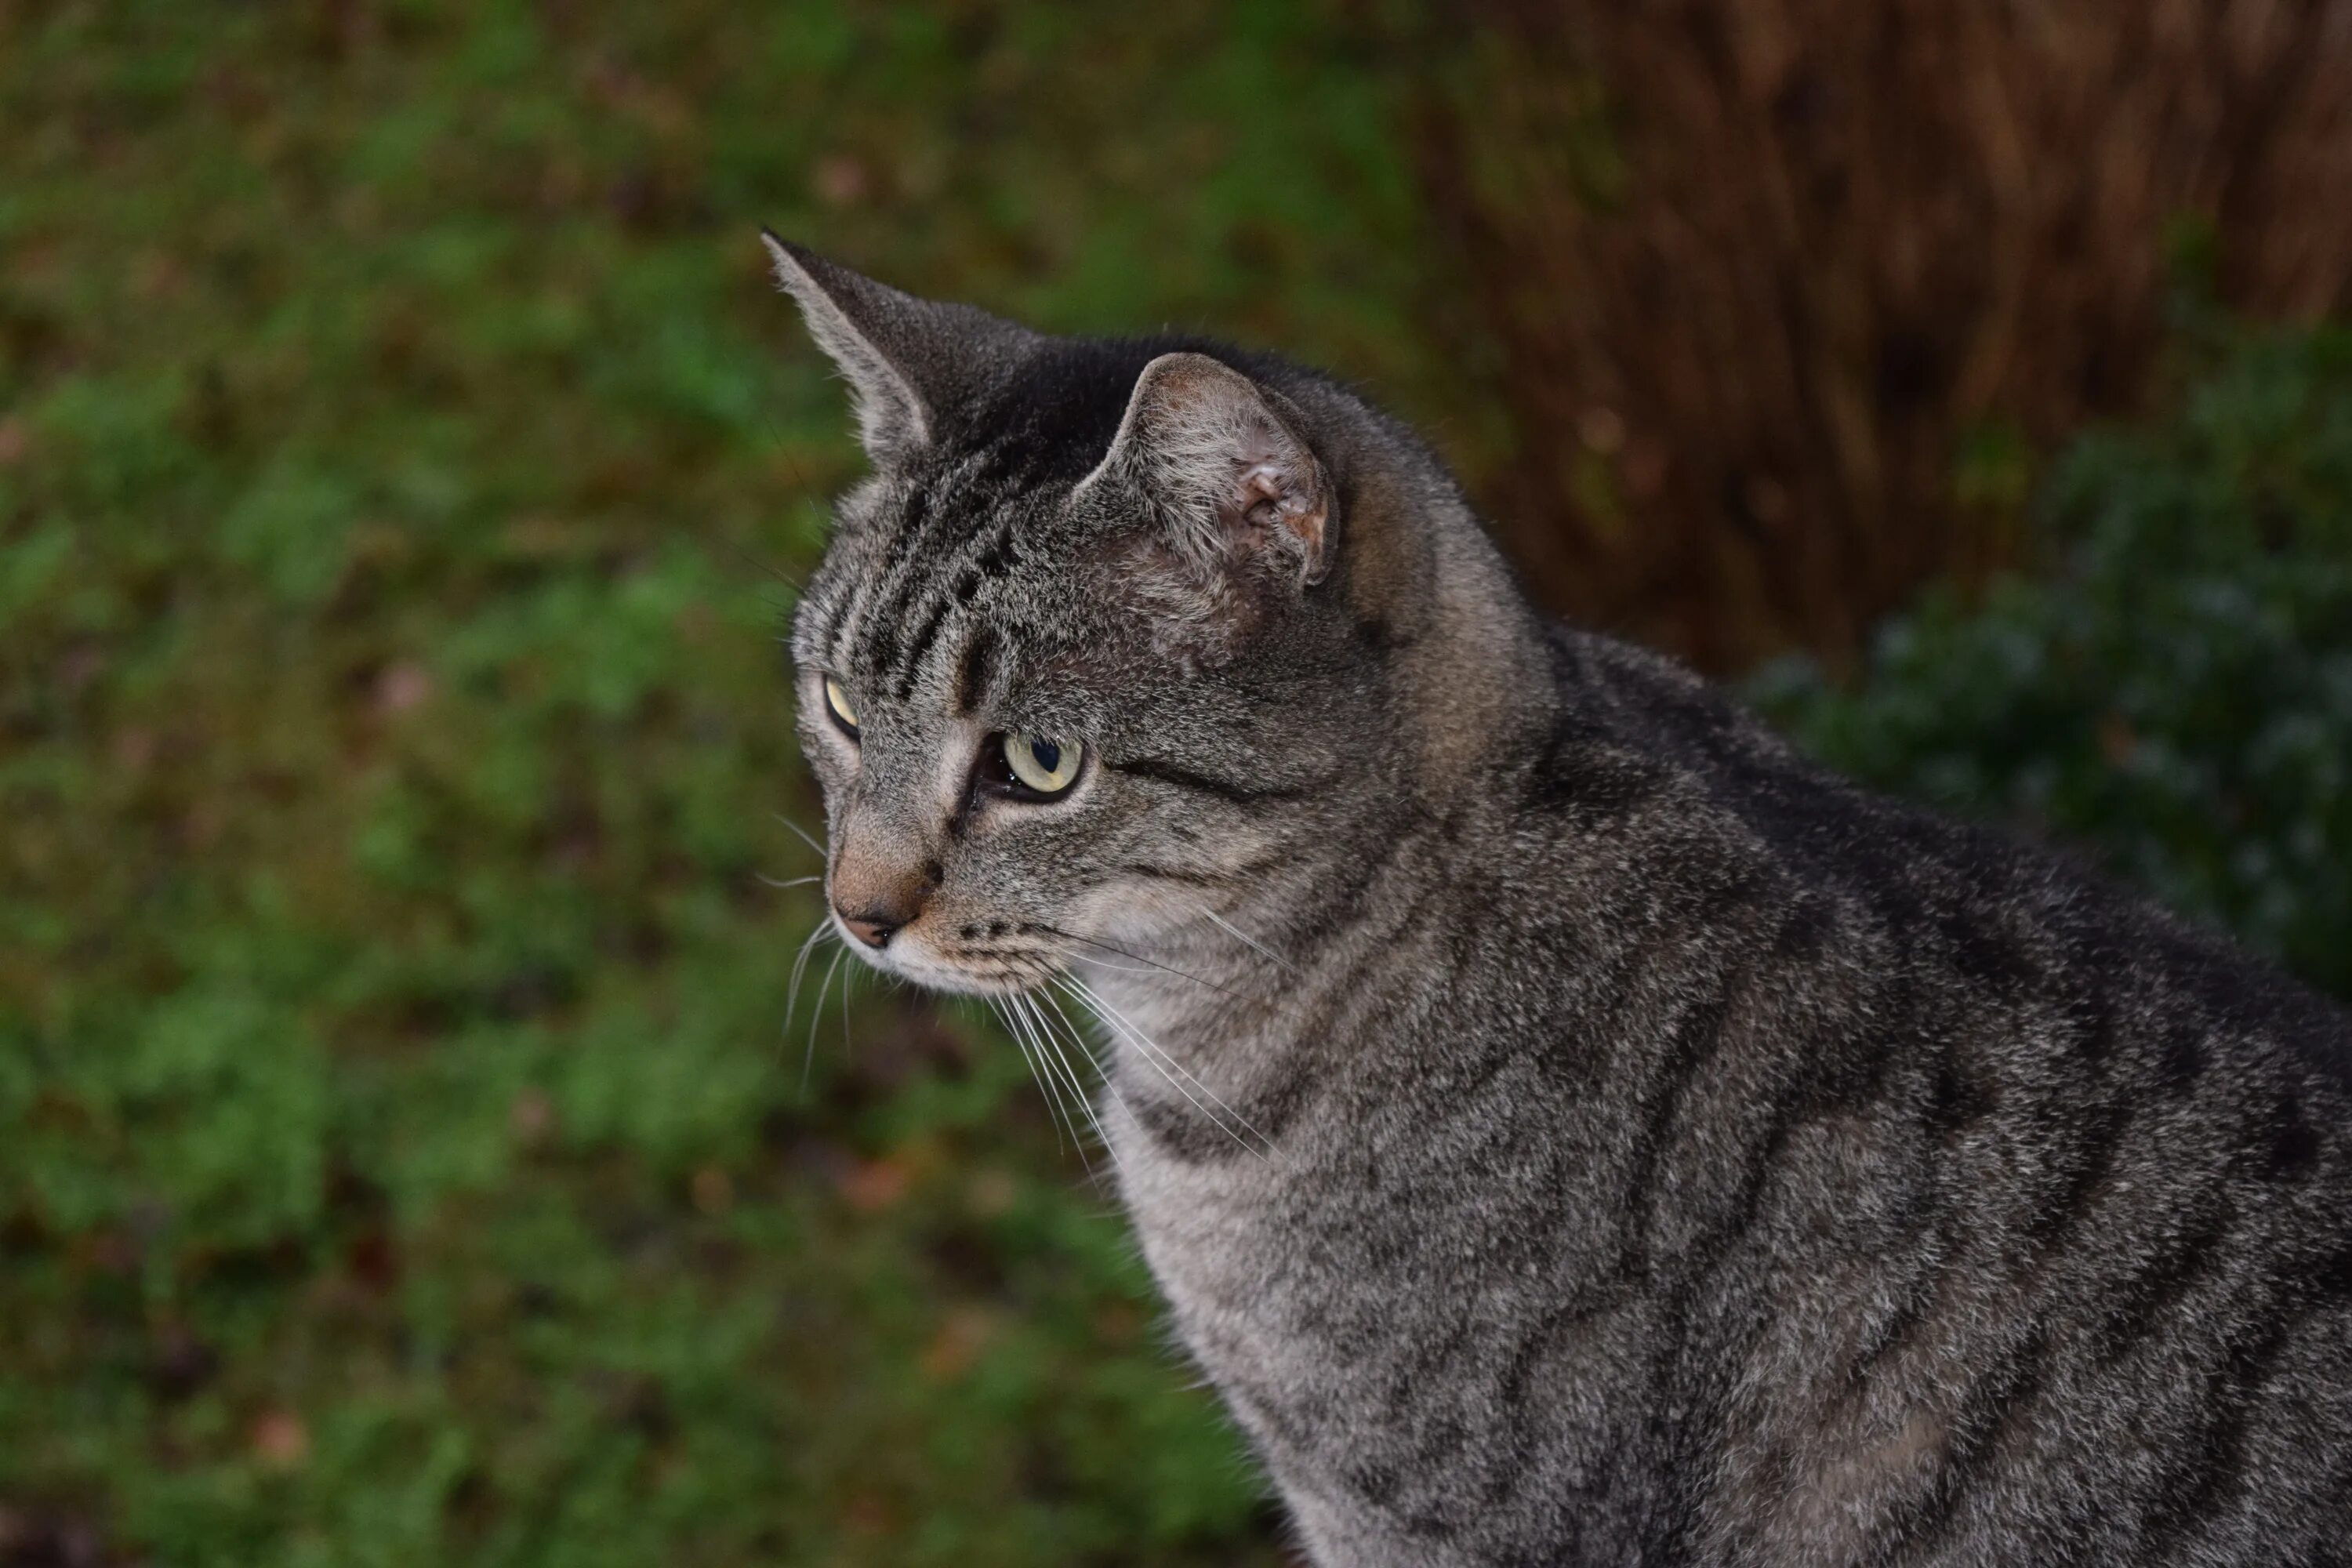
848 984
804 833
1248 941
1086 1052
1047 1054
1169 1068
800 965
1079 1037
816 1016
1028 1005
1037 1073
1121 968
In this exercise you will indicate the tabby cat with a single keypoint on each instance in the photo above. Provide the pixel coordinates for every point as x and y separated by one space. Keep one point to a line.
1569 1127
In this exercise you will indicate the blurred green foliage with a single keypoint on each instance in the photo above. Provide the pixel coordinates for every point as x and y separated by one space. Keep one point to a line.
2174 695
404 1157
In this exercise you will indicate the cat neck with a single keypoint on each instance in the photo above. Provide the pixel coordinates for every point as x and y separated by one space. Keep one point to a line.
1466 658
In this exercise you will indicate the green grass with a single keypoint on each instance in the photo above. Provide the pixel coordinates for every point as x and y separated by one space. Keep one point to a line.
402 1154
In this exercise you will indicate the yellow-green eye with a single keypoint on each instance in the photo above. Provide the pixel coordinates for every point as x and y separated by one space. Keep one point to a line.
839 700
1049 767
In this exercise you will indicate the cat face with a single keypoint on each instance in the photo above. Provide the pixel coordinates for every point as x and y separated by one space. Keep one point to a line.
951 711
1058 672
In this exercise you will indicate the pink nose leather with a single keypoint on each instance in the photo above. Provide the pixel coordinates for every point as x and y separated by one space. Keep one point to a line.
876 890
873 932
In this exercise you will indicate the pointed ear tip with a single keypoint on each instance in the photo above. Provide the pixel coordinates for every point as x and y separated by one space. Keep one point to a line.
1177 359
801 272
1187 378
783 251
1183 370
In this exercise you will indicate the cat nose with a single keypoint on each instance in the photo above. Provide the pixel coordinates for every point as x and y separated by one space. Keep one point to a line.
872 913
877 886
873 928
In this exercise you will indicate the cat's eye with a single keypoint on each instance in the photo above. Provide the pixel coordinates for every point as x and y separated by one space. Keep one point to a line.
837 702
1040 766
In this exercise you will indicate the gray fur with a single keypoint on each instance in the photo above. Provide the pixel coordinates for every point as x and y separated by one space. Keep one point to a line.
1568 1126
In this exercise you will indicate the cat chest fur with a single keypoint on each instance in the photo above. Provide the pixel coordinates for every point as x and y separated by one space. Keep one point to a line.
1420 1324
1749 1280
1388 1414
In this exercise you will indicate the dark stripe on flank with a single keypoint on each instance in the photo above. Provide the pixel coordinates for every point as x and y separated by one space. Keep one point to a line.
1699 1037
2208 1474
2140 1306
1203 784
1997 1407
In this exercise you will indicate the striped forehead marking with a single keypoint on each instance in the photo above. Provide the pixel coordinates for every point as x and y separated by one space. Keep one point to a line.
889 625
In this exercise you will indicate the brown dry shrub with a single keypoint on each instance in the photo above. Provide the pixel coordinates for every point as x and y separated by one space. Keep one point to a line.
1788 293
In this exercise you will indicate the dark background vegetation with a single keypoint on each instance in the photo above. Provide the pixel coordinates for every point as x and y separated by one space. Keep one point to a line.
405 1155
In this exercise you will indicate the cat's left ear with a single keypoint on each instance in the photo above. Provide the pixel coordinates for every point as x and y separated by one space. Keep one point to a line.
1221 460
912 364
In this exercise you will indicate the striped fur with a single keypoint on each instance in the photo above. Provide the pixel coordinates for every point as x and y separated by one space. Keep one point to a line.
1569 1127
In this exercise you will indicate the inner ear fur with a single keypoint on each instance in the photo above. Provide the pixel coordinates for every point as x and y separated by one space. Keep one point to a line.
1221 462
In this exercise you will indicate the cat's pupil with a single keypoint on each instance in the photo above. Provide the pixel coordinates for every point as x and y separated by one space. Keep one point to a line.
1049 755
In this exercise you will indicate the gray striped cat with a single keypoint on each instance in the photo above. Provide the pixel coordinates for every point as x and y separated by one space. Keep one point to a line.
1568 1127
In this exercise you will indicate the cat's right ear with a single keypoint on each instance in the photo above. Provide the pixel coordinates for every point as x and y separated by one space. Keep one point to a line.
912 364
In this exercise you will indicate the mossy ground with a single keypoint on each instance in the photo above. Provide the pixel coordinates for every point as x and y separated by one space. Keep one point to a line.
404 1157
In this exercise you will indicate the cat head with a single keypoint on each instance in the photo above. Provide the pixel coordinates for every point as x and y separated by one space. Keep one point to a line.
1097 645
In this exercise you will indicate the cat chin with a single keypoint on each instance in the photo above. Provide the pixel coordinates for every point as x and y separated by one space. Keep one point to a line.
932 975
954 984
